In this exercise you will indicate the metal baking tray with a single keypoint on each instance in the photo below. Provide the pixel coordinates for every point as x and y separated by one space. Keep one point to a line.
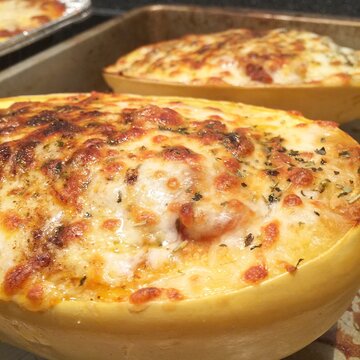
75 66
75 10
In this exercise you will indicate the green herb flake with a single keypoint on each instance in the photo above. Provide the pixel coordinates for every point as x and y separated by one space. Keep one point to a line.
293 153
249 238
82 280
323 185
197 196
321 151
344 154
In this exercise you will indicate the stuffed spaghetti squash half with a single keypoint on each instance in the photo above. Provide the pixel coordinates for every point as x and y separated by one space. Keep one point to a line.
160 227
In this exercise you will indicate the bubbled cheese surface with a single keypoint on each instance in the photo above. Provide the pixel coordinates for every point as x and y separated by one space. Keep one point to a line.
123 198
243 57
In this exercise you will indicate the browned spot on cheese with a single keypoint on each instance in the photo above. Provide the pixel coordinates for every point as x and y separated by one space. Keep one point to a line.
186 214
271 234
65 234
158 139
239 143
295 113
179 153
112 169
301 177
291 200
255 274
143 216
111 224
12 221
131 176
225 182
16 277
144 295
74 186
24 157
41 19
153 114
173 183
257 73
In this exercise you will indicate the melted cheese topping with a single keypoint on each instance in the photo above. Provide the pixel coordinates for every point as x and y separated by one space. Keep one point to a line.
127 198
17 16
244 57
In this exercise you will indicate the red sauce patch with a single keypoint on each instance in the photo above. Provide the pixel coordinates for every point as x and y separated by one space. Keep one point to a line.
325 123
144 295
301 177
174 294
271 234
232 165
280 159
225 182
255 274
292 200
36 293
258 73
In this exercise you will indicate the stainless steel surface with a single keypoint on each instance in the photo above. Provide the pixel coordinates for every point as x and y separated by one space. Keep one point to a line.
75 10
76 64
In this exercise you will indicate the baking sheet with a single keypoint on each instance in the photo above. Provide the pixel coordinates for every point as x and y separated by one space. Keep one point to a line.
57 70
75 10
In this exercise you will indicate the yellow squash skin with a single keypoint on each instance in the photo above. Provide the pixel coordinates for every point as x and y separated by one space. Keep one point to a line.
311 100
293 309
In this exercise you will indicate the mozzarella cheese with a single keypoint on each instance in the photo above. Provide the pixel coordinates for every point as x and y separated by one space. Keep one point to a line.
127 198
18 16
242 57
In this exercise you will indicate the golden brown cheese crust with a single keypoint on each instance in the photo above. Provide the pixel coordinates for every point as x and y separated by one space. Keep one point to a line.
243 57
17 16
125 198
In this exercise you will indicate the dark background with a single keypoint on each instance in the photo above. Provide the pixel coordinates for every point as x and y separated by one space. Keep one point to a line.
334 7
